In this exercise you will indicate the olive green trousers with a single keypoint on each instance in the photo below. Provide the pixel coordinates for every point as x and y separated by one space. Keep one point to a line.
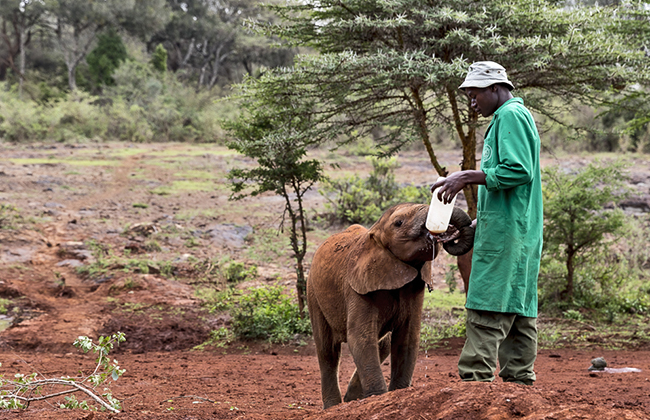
509 338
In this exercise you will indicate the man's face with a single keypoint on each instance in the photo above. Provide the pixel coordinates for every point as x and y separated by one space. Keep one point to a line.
483 100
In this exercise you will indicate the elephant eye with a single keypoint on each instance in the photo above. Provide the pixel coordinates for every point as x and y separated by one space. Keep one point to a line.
398 223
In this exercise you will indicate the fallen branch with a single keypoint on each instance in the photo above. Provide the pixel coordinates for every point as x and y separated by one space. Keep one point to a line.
23 390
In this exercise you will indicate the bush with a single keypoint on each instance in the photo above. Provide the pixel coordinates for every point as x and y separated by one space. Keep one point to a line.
143 105
237 272
363 201
582 264
263 313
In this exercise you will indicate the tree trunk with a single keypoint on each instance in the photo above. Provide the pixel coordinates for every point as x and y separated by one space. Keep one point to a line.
469 162
468 140
567 293
420 116
299 250
72 80
21 64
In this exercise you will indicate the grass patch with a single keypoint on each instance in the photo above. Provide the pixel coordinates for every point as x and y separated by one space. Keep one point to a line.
4 306
197 150
197 174
67 161
629 332
190 214
268 245
10 218
443 317
178 187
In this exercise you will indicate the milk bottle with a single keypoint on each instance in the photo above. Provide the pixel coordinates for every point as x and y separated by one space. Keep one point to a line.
439 213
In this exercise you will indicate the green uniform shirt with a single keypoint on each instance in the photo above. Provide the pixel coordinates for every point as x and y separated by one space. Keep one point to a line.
508 243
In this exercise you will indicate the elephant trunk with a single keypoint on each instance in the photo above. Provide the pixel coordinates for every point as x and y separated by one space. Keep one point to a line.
465 240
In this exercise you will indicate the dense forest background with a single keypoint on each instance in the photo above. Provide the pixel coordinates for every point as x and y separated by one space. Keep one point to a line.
156 70
146 70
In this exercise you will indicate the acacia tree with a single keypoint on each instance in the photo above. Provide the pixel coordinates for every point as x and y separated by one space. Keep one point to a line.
278 141
396 64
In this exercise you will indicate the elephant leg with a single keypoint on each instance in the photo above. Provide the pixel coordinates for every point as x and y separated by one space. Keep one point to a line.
364 345
355 390
405 342
465 268
329 356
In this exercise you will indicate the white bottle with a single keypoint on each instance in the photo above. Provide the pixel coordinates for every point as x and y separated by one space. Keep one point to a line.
439 213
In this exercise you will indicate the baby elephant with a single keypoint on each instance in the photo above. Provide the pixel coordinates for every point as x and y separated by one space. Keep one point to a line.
366 288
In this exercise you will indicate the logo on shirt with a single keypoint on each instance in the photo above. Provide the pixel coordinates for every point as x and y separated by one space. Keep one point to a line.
487 153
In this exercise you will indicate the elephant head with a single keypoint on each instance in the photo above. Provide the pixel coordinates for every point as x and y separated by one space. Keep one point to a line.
391 253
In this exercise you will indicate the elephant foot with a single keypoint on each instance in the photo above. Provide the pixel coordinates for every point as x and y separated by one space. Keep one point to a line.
355 391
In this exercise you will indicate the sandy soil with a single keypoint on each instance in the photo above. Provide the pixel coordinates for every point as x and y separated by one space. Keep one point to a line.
70 204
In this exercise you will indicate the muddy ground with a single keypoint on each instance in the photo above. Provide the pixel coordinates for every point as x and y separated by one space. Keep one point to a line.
167 204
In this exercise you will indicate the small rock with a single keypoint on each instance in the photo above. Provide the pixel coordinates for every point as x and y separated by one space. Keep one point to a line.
598 363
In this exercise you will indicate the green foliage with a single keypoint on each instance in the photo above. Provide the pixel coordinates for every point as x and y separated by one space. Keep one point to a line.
580 262
450 277
10 217
269 314
159 59
432 333
266 313
278 142
356 200
4 304
143 106
237 272
220 337
107 56
106 260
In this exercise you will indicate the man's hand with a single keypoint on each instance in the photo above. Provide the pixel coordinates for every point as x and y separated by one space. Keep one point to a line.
455 182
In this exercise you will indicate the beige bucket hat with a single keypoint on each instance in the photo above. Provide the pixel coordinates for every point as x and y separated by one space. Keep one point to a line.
485 73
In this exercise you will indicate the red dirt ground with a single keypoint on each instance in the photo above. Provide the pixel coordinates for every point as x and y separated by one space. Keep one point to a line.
165 379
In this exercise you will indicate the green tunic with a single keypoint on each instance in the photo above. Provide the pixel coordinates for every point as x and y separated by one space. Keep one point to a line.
508 243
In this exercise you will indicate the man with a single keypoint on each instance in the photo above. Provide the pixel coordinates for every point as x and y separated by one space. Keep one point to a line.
502 296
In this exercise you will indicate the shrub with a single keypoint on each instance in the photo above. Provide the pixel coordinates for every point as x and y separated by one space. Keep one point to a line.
106 57
582 265
263 313
363 201
237 272
268 314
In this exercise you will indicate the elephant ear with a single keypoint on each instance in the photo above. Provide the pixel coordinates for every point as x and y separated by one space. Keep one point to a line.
373 267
